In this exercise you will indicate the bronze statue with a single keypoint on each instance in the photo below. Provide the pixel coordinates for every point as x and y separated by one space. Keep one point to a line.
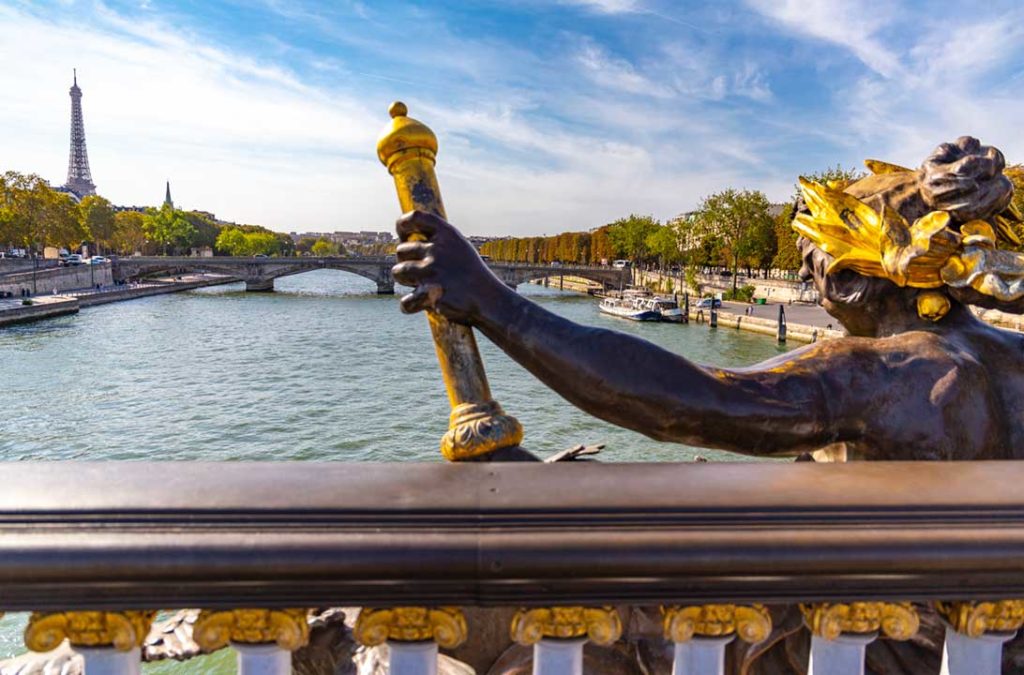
897 258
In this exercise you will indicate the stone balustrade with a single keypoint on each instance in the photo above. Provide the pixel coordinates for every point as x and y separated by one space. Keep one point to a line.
94 549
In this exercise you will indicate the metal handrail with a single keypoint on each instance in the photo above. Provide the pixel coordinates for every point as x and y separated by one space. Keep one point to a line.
100 535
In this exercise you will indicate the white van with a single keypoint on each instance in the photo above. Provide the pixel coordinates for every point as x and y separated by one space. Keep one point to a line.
620 264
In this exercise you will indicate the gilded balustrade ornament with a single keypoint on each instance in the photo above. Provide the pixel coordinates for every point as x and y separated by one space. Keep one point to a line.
601 625
898 621
121 630
288 628
752 624
974 619
444 625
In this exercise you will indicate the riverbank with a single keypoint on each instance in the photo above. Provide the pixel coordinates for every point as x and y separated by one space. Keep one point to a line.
812 322
13 311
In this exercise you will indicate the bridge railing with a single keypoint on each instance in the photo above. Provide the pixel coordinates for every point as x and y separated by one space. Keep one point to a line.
94 549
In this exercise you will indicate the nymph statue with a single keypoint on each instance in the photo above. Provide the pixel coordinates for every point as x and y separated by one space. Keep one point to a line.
897 258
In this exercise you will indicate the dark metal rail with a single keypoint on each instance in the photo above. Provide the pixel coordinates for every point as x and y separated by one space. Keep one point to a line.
119 535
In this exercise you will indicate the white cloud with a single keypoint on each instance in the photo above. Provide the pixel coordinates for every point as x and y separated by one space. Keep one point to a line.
851 24
256 142
607 6
615 73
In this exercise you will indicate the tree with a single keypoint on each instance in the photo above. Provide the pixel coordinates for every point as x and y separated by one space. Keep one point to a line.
735 219
98 220
629 235
255 241
305 245
129 233
230 241
206 230
167 226
787 255
323 247
664 243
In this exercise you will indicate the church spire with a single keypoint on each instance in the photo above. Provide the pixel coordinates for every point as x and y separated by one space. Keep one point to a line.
167 198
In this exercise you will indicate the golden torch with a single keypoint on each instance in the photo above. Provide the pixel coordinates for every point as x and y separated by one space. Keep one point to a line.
478 425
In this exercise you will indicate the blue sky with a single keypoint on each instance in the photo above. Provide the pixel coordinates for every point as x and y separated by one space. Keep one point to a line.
551 116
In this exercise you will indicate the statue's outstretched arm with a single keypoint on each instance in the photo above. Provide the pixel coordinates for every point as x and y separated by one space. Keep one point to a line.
780 408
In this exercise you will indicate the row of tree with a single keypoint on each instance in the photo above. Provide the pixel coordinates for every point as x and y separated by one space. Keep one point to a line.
34 216
729 229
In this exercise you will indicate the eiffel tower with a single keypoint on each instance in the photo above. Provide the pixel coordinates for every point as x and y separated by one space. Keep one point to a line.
79 177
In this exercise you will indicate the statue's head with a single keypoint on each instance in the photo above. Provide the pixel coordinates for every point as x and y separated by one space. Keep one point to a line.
912 242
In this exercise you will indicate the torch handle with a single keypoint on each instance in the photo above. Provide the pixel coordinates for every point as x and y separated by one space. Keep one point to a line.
477 425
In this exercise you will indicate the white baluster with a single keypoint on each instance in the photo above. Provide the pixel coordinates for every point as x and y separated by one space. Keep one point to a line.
412 658
842 656
110 661
262 659
965 655
701 656
552 656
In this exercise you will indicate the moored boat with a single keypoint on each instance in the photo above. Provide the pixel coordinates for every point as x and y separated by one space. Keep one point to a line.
629 308
639 307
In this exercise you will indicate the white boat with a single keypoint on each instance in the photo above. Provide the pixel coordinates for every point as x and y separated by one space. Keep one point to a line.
641 308
667 307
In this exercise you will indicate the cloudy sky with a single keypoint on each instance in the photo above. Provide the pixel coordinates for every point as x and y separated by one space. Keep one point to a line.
551 115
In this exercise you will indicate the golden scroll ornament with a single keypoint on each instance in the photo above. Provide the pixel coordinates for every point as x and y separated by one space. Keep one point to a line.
288 628
444 625
681 623
974 619
601 625
897 620
123 631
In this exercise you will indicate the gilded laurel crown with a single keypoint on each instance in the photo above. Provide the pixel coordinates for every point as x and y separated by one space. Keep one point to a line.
935 250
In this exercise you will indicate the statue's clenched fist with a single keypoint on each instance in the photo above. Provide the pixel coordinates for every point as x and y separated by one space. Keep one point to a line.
444 269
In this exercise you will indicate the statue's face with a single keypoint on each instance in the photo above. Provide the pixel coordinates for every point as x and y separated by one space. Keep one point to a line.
853 299
815 262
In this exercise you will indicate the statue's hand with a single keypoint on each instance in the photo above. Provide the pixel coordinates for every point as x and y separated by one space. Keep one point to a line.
445 270
966 178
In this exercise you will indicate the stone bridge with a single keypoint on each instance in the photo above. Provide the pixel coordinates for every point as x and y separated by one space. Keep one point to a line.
259 273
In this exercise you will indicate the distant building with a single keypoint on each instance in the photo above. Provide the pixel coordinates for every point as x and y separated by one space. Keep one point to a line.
478 241
346 238
79 181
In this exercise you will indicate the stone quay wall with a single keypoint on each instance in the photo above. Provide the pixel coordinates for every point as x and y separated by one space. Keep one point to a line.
12 312
60 278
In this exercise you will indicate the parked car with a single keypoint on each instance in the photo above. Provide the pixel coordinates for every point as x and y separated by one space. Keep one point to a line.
74 259
620 264
97 260
260 255
707 303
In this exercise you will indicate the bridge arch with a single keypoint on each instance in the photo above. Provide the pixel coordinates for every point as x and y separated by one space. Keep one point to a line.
607 277
257 273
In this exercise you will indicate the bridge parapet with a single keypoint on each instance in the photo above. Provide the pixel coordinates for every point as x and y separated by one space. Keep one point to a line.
259 273
710 543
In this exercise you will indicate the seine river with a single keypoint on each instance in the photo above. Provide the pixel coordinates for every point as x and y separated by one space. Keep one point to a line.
322 369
